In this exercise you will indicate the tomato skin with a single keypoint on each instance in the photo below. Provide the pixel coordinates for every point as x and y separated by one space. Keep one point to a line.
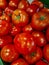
13 4
24 43
41 63
19 61
23 4
27 29
5 17
8 11
35 56
4 40
8 53
39 38
3 4
15 30
40 21
32 9
5 28
46 52
20 17
47 34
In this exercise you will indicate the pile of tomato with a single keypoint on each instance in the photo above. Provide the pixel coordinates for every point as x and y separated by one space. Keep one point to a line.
24 32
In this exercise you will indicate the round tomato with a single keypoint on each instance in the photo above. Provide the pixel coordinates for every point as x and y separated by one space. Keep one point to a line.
20 17
24 43
28 28
3 4
23 4
34 56
41 63
40 21
4 40
19 61
15 30
5 27
8 53
47 33
46 52
39 38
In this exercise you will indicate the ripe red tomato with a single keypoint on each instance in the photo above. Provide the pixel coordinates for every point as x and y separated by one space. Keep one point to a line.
32 9
41 63
40 21
23 4
13 4
3 4
15 30
39 38
5 27
46 52
34 56
20 17
8 53
4 40
24 43
27 29
5 17
19 61
38 3
47 34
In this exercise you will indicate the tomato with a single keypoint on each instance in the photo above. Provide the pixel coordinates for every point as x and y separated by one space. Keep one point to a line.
41 63
38 3
24 43
3 4
32 9
5 27
13 4
34 56
40 21
20 17
19 61
8 53
47 34
39 38
8 11
46 52
4 40
23 4
5 17
28 28
15 30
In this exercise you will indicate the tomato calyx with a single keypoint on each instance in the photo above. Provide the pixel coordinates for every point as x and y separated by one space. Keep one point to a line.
42 18
33 54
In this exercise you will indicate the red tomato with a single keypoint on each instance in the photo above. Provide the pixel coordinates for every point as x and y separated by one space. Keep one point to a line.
24 43
23 4
8 53
13 4
28 28
5 17
38 3
8 11
3 4
34 56
46 52
47 33
5 27
41 63
20 17
4 40
40 21
39 38
32 9
19 61
15 30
